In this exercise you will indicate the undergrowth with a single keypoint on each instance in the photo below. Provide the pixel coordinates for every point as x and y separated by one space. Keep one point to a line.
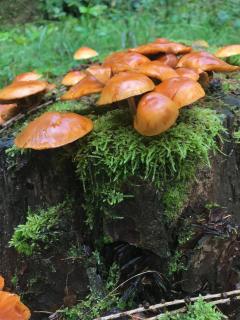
110 158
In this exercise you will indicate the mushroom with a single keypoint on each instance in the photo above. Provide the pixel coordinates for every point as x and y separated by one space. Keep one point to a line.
28 76
228 51
125 85
156 47
2 282
124 61
188 73
7 111
84 87
101 73
183 91
157 70
168 59
85 53
205 61
155 114
53 129
25 93
73 77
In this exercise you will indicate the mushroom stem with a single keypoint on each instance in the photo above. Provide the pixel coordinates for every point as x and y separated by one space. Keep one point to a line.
132 105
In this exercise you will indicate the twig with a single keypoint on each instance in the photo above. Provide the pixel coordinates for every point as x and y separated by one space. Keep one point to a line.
171 303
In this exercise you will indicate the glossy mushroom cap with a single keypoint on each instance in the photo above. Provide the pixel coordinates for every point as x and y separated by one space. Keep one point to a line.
169 59
228 51
27 76
84 87
85 53
52 130
124 61
205 61
162 40
101 73
7 111
155 114
156 70
73 77
188 73
155 47
183 91
125 85
22 89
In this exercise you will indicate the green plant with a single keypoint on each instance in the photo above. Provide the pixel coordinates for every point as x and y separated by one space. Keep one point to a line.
236 136
175 264
200 310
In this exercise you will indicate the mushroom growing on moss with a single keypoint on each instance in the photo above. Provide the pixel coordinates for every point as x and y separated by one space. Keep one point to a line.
155 114
228 51
85 53
73 77
53 130
28 76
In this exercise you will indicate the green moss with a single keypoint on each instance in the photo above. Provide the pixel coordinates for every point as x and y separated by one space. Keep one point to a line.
236 136
114 155
235 60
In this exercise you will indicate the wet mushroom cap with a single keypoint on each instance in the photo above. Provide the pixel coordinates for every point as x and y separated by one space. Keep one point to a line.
156 70
22 89
155 114
101 73
125 85
169 59
228 51
188 73
84 87
124 61
53 129
7 111
183 91
85 53
205 61
27 76
73 77
11 308
155 47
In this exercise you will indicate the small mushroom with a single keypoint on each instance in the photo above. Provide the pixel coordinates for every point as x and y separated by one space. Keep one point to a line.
155 114
188 73
73 77
125 85
7 111
101 73
124 61
228 51
183 91
156 70
85 53
28 76
53 130
169 59
84 87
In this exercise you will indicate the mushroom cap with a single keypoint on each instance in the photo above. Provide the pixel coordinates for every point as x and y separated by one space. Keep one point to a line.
52 130
73 77
11 308
168 47
22 89
169 59
101 73
2 282
155 69
7 111
85 53
205 61
162 40
125 85
200 44
27 76
228 51
124 61
84 87
155 114
183 91
188 73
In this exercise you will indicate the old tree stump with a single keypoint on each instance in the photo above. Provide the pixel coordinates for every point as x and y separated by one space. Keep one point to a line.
197 252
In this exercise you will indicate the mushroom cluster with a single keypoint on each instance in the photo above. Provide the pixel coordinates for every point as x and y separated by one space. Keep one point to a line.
11 308
156 80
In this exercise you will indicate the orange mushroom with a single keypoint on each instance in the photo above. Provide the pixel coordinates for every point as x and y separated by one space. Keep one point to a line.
157 70
183 91
156 47
169 59
53 129
28 76
7 111
124 61
188 73
155 114
125 85
11 308
101 73
228 51
84 87
205 61
85 53
73 77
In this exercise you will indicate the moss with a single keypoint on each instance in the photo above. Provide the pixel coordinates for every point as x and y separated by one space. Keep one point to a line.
113 154
235 60
236 136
